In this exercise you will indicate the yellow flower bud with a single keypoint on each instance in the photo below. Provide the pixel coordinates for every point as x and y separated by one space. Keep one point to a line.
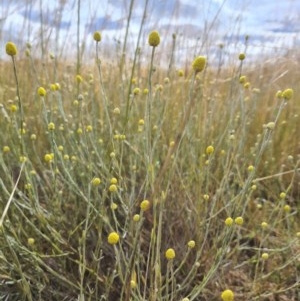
11 48
154 38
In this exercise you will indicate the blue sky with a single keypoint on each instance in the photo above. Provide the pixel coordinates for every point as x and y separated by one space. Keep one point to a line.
269 25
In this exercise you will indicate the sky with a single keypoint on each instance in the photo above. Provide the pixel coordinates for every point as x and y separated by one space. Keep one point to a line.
200 25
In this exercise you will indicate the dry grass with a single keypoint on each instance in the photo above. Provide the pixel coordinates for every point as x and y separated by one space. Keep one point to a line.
54 236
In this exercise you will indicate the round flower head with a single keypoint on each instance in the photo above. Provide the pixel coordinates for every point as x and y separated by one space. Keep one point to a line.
242 79
228 221
227 295
79 78
191 244
209 150
154 38
145 205
279 94
41 91
30 241
287 208
180 73
96 182
136 91
113 188
239 220
282 195
51 126
199 63
11 48
136 218
97 36
170 254
113 238
242 56
287 94
6 149
113 181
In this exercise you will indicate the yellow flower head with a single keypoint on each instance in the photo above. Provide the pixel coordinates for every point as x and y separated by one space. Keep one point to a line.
136 218
287 94
13 108
279 94
170 254
243 79
180 73
6 149
199 63
154 38
191 244
282 195
113 238
114 206
30 241
247 85
117 111
96 182
242 56
113 181
48 158
227 295
41 91
11 48
89 128
264 256
228 221
250 168
239 220
145 205
51 126
97 36
209 150
113 188
79 78
136 91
